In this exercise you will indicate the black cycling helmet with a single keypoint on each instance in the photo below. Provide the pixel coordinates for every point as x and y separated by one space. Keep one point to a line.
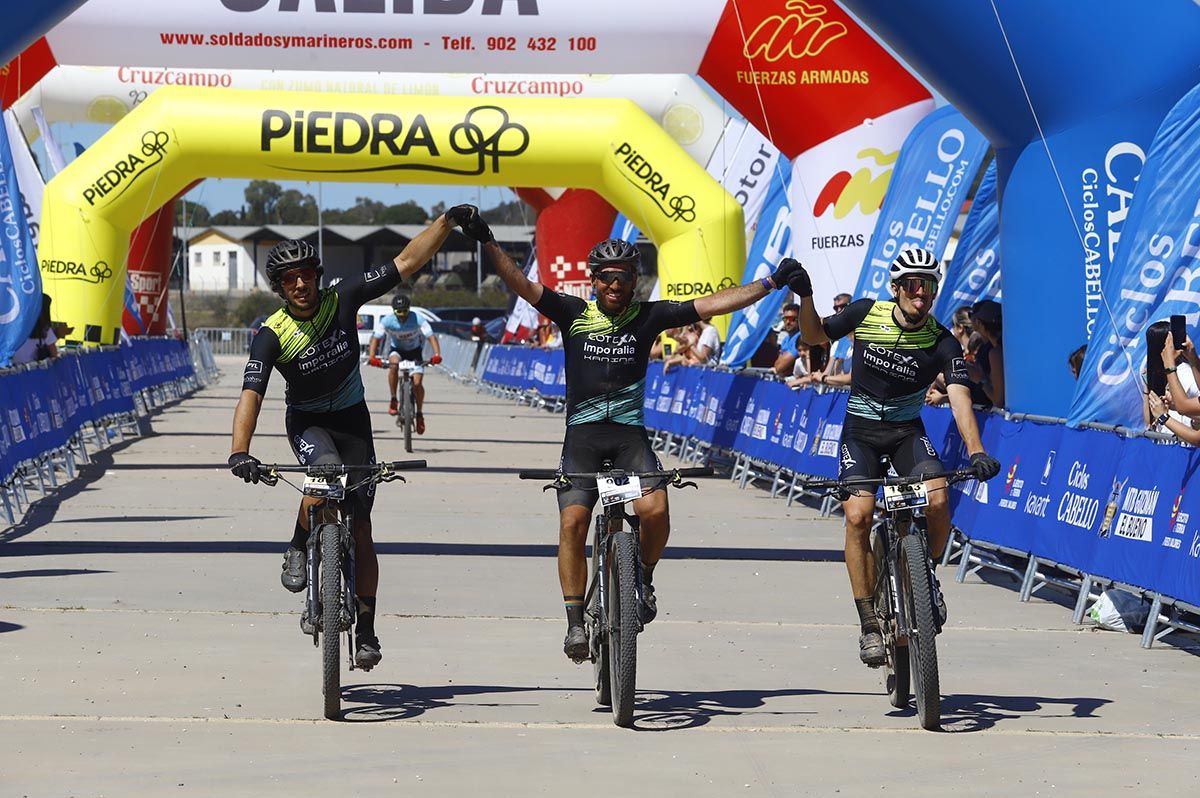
614 252
401 303
288 255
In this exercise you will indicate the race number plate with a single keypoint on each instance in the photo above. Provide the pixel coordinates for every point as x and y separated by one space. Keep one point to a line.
612 493
900 497
326 487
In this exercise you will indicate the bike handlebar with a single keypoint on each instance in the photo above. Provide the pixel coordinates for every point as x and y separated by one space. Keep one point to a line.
550 473
337 469
957 475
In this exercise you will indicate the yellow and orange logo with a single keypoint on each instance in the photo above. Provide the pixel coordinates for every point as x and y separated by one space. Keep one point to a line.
805 32
864 189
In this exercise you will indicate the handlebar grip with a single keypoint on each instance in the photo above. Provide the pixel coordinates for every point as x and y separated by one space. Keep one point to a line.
538 473
696 472
406 465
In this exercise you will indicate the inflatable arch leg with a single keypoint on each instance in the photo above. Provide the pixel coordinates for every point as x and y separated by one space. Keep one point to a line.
180 134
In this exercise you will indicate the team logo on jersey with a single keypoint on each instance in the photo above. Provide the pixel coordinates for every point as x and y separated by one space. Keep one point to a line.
254 367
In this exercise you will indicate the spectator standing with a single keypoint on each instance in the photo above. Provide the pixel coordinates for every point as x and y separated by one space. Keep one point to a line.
988 367
789 342
1170 376
707 349
42 342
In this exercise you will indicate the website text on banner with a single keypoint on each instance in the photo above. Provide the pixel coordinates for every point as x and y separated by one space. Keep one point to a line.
1126 509
172 138
20 281
1155 273
974 272
1070 135
42 406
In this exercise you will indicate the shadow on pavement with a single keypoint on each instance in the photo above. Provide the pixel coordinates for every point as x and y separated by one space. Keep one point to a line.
9 627
670 710
972 713
385 702
62 547
51 572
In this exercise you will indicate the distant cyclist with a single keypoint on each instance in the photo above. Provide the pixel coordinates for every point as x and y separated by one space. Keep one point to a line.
312 341
607 343
899 349
406 333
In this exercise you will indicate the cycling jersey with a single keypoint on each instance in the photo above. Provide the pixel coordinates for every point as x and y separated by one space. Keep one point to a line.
405 337
606 356
318 357
894 367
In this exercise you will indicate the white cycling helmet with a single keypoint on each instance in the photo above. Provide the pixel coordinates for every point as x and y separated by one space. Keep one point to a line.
916 263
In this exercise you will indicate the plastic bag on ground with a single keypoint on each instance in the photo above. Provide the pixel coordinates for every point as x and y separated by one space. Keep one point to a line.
1120 611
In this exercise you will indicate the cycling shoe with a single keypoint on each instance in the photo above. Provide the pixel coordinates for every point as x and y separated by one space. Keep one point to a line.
295 569
871 650
575 645
368 654
649 609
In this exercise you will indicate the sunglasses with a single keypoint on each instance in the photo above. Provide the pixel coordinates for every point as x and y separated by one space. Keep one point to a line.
913 284
840 308
608 278
307 274
791 318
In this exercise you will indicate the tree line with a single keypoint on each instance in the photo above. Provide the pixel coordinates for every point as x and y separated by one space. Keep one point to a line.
267 202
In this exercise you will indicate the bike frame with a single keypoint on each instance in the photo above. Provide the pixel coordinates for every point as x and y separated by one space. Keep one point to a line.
608 523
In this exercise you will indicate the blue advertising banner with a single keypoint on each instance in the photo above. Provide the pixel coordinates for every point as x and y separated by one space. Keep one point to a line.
20 279
974 272
624 229
937 165
1153 275
749 327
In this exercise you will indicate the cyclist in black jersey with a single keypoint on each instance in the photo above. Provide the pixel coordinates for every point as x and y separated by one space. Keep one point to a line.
312 341
899 349
607 344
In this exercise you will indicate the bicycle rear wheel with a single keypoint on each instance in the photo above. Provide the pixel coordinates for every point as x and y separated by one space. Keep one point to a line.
624 625
922 647
331 615
599 638
407 414
896 678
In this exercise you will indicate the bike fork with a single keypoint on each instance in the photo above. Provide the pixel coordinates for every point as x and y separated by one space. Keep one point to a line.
312 599
351 593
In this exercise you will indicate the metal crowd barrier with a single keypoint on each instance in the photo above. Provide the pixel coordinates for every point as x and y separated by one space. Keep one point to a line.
225 340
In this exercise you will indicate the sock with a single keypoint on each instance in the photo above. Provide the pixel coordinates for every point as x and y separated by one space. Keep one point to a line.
867 619
366 616
299 537
574 606
648 570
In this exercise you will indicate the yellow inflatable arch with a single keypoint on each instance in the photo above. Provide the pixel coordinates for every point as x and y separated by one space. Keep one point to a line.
180 134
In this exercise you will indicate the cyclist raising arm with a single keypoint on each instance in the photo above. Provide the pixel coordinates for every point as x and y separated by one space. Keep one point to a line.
899 349
313 342
607 343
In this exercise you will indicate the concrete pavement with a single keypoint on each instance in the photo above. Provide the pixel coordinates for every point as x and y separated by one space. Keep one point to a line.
148 648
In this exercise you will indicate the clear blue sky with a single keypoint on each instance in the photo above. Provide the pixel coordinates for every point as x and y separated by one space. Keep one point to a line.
218 194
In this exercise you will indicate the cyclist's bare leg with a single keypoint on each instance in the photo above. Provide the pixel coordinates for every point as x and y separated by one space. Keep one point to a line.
572 537
419 390
860 564
937 517
656 524
393 373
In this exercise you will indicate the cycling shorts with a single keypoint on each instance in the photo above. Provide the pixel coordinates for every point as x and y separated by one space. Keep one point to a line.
411 356
342 436
866 441
587 446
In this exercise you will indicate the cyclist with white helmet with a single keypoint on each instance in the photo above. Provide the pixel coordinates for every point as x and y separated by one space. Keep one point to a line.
607 344
312 341
406 333
899 349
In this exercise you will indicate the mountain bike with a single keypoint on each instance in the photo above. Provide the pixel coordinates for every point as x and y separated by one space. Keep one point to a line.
904 593
616 591
329 605
406 415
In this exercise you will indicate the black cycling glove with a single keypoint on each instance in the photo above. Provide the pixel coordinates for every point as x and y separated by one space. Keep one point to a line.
467 217
244 465
985 466
793 275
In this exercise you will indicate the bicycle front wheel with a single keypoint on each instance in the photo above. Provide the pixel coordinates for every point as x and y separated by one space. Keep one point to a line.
331 617
922 647
624 625
599 637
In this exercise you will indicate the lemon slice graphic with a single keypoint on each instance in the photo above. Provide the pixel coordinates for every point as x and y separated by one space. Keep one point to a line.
106 110
683 123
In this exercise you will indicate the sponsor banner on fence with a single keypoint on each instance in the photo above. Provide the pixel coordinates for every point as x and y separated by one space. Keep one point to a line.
974 272
1155 272
20 280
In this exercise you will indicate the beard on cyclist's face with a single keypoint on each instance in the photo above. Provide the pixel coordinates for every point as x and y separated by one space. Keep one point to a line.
614 288
300 289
